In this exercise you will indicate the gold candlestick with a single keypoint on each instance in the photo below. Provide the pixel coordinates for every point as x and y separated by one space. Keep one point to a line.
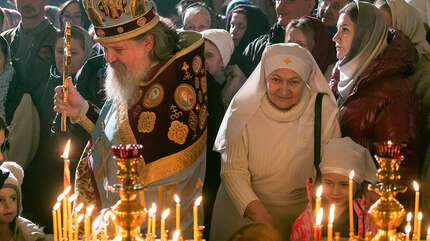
66 70
350 201
163 225
54 220
178 212
417 206
330 223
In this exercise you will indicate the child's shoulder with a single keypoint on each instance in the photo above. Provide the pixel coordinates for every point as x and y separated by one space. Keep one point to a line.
28 231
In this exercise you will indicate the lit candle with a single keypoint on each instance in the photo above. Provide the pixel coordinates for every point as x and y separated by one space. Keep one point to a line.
163 224
154 219
148 226
87 223
417 205
65 156
330 224
75 217
60 227
350 198
407 231
409 218
78 221
176 235
420 218
337 236
70 200
428 234
318 199
105 233
196 221
65 216
178 212
96 224
54 219
318 226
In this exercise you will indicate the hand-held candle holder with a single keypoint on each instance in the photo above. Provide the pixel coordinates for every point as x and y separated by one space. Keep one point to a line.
387 213
128 212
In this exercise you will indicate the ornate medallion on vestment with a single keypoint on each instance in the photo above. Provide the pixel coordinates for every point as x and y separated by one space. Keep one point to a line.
187 74
146 122
203 84
178 132
203 116
185 97
175 113
153 96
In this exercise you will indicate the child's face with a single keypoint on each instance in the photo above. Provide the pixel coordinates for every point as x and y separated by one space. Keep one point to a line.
335 188
8 205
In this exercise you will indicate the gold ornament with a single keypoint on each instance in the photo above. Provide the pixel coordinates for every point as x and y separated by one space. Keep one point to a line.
178 132
146 122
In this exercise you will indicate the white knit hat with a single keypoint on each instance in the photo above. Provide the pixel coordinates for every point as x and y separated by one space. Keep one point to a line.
342 155
14 180
223 41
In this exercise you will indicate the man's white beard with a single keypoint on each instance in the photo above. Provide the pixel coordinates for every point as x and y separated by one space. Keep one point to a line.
121 85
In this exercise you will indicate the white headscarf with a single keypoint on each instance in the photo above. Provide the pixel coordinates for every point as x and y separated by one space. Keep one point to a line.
248 99
370 39
342 155
223 41
423 8
406 19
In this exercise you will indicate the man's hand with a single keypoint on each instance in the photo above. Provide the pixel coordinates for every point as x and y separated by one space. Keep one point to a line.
75 101
259 214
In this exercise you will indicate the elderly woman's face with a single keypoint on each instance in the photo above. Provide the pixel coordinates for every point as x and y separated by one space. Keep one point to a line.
238 26
78 55
197 22
284 88
344 35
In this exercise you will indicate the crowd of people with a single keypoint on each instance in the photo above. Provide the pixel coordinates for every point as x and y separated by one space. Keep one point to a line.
250 103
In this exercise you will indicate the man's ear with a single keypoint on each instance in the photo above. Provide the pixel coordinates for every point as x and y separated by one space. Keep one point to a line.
148 43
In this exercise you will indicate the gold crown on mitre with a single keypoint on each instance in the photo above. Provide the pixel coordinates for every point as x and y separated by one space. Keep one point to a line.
116 20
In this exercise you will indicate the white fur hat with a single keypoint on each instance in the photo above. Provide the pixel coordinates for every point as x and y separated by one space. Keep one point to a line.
14 180
222 40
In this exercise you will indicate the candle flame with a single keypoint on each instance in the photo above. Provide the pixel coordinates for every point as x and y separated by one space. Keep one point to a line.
79 220
177 200
165 213
66 150
416 186
319 217
408 229
97 222
331 217
351 175
79 207
72 198
428 230
56 206
176 235
198 201
60 198
319 191
150 212
409 217
420 216
154 208
90 210
389 142
67 190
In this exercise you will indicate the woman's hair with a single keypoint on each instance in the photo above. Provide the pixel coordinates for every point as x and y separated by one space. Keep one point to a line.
84 18
256 232
351 10
306 25
166 41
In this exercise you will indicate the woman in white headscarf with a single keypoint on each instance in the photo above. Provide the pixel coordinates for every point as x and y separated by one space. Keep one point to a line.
266 141
375 99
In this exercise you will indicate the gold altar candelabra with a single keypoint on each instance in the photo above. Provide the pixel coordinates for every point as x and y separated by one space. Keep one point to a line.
388 213
129 213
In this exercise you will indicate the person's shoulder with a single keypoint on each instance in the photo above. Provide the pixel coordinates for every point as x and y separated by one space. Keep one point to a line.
29 231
